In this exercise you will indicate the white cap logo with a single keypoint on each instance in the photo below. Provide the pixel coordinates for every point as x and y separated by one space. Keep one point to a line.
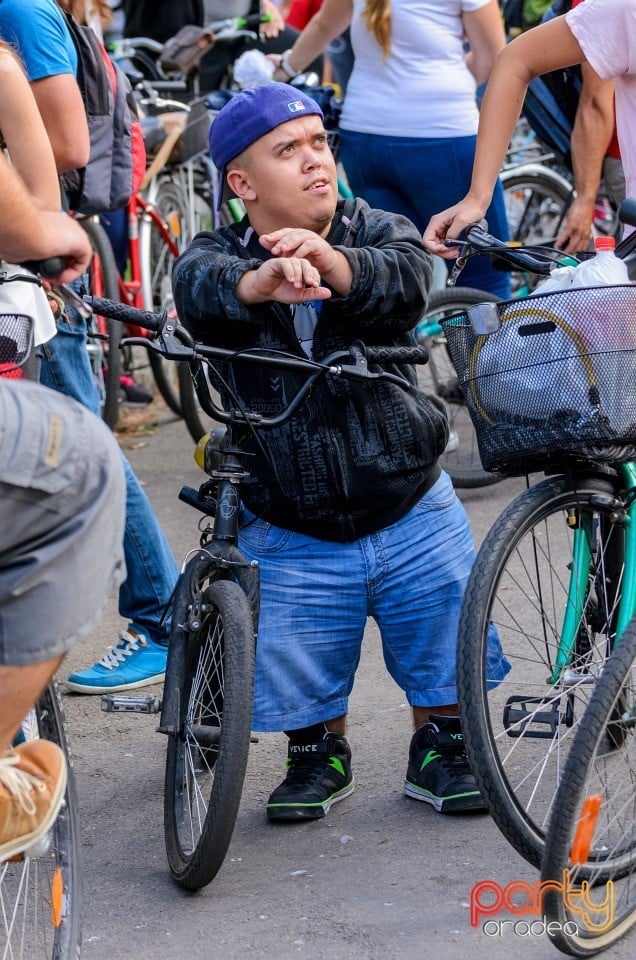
295 106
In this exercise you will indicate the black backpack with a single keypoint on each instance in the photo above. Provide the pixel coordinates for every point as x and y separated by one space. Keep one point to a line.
552 100
117 160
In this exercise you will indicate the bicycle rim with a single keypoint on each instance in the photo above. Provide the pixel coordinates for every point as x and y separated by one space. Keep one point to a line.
592 835
40 896
206 761
519 730
461 458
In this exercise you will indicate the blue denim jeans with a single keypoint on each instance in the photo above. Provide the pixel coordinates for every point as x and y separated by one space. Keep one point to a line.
418 178
151 569
316 597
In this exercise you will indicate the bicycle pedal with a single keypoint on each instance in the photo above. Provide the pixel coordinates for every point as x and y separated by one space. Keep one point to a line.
524 716
113 703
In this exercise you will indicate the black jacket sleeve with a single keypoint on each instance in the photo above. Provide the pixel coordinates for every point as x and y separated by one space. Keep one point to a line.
392 272
391 277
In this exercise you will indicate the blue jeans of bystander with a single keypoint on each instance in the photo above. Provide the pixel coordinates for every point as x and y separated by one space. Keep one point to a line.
152 571
418 178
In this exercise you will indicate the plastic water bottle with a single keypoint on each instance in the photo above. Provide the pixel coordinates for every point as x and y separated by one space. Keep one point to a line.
603 268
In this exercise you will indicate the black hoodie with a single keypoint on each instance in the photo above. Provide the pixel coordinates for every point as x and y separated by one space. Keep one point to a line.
356 456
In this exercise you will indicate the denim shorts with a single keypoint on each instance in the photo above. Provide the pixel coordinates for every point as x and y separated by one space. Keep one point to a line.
62 500
316 597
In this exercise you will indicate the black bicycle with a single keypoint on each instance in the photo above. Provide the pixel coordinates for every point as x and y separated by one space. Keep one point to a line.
206 710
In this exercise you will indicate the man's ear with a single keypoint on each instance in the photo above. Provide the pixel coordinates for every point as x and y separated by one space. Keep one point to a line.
239 182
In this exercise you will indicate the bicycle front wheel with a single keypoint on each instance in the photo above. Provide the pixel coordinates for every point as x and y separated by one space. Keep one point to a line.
548 579
461 458
206 760
592 834
40 895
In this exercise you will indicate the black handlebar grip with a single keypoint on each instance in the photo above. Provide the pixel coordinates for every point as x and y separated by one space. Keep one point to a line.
124 313
49 269
398 354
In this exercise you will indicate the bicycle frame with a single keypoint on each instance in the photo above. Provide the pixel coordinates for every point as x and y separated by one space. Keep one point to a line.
130 288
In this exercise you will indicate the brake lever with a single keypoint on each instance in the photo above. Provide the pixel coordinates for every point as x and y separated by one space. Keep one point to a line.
172 342
359 369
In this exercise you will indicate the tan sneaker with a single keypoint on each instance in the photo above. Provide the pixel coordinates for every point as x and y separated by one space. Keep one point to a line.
32 784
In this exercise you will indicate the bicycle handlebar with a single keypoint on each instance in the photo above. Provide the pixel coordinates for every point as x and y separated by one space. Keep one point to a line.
536 259
49 269
175 343
225 30
125 313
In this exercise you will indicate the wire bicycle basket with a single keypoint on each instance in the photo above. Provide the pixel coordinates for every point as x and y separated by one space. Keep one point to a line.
16 346
556 376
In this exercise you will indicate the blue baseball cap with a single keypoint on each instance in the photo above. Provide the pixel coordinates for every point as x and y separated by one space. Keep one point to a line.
250 115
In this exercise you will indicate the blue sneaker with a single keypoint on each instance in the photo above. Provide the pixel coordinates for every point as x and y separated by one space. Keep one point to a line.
135 661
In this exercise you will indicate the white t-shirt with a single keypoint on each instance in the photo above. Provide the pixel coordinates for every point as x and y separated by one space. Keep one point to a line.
423 88
606 32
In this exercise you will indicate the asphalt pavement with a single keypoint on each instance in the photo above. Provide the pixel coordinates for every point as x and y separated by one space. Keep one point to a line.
380 876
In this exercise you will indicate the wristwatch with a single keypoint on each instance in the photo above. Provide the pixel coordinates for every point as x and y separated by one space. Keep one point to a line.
286 67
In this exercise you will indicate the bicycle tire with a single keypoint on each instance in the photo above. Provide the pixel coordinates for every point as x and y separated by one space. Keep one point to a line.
594 768
103 281
219 682
41 896
461 458
537 200
518 729
157 259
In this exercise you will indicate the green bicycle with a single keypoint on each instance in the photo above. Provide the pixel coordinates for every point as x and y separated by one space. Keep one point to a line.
547 384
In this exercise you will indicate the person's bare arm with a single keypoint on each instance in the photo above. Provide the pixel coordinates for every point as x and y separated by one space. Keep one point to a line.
486 38
62 110
332 19
25 136
591 134
274 27
544 48
27 233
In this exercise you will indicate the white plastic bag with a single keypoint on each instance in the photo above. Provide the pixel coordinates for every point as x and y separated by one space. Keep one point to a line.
251 69
26 297
560 279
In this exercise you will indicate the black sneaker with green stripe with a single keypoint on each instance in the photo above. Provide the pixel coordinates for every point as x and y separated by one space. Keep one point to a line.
438 771
318 775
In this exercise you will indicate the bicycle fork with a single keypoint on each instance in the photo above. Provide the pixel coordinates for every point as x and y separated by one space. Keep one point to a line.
582 565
